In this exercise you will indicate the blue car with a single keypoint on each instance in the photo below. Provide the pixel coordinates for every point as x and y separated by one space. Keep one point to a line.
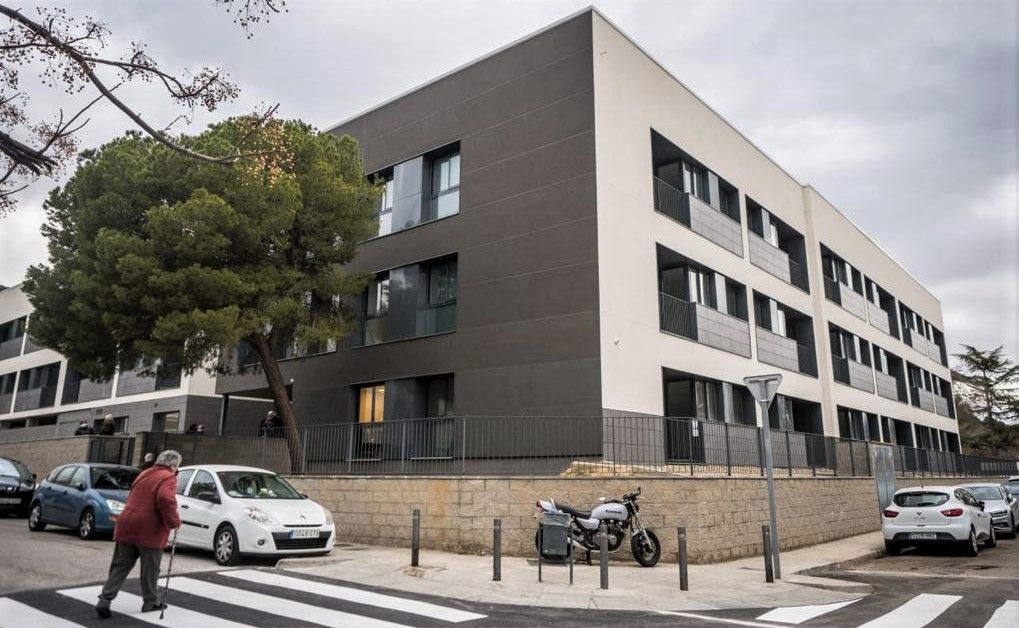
88 497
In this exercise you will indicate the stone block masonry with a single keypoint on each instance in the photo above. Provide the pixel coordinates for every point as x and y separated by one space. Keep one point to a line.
723 516
42 456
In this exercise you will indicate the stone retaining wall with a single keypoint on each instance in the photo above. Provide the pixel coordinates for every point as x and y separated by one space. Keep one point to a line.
723 516
42 456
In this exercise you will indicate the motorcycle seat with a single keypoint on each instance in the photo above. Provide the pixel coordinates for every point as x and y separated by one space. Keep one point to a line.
583 514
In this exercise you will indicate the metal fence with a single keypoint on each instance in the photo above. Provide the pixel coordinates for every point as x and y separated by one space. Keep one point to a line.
572 446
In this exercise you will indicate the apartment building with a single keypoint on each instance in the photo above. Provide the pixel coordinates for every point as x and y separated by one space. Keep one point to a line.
567 230
42 395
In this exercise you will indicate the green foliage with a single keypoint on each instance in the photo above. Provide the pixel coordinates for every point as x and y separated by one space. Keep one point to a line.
984 438
153 254
990 380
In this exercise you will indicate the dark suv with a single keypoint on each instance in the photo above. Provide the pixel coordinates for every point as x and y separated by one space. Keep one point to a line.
17 484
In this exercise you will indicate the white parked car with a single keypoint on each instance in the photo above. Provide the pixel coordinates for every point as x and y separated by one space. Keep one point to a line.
936 515
1003 508
243 510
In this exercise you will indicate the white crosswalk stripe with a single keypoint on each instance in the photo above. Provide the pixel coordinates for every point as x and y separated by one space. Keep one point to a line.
800 614
358 596
14 614
276 605
916 613
1006 616
177 617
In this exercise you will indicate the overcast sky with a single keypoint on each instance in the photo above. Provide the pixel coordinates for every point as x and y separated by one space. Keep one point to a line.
902 114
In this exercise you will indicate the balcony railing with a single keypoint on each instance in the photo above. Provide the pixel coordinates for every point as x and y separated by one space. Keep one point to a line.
832 290
34 398
11 348
942 406
923 398
878 318
887 386
777 350
677 316
699 216
770 258
798 274
852 373
841 294
807 359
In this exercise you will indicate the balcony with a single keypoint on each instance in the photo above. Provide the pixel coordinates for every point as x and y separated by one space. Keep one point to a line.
705 325
924 346
777 350
34 398
770 258
924 399
11 348
5 402
941 406
852 373
698 216
879 318
31 347
887 386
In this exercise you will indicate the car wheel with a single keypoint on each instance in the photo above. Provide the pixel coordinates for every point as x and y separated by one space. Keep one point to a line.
972 547
225 546
893 549
87 525
992 541
35 521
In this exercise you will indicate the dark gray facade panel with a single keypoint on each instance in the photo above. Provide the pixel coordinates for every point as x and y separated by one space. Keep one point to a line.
525 238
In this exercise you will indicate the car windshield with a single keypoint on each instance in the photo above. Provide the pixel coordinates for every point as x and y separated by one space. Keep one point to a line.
920 499
113 478
985 493
14 469
256 485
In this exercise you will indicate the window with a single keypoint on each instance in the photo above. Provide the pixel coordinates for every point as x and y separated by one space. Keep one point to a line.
113 478
446 185
78 478
442 283
386 206
920 499
440 397
182 480
64 475
203 483
378 296
371 402
701 287
695 181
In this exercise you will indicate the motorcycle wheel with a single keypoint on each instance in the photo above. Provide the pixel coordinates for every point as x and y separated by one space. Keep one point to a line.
645 555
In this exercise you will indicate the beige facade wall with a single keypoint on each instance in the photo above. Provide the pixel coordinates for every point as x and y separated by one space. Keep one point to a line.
723 516
633 95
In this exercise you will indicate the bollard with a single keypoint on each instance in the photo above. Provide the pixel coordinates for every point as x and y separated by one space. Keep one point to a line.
769 567
497 550
541 542
415 538
684 581
603 547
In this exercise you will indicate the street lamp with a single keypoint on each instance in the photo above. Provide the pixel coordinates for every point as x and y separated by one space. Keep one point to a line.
763 388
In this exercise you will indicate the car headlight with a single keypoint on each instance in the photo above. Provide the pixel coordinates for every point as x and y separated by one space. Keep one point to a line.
115 505
259 515
329 516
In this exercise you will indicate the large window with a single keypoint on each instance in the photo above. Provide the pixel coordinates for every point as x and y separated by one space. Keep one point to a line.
371 401
442 283
411 301
446 185
386 207
378 296
440 397
419 190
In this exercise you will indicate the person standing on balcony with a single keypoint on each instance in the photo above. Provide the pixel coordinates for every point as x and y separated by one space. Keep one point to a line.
84 429
108 428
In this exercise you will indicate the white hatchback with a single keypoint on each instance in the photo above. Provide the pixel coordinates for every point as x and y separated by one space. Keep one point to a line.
235 510
936 515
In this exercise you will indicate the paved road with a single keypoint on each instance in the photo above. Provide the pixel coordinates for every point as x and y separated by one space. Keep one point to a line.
57 557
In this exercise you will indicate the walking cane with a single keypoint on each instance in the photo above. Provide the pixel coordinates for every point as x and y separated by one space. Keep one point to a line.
166 587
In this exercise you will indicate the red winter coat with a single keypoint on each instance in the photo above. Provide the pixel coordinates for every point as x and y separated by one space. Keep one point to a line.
151 510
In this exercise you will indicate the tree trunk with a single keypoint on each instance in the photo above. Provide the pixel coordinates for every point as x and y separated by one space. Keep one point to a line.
274 379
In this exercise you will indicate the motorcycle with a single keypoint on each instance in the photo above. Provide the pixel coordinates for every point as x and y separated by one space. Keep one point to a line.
618 517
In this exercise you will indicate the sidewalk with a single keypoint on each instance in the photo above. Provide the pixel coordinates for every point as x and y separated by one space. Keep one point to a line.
731 585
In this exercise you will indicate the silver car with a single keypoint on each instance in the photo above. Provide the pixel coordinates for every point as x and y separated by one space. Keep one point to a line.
1002 505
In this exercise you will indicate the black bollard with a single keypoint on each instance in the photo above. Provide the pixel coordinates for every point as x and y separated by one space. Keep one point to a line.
603 547
497 550
769 567
684 580
415 538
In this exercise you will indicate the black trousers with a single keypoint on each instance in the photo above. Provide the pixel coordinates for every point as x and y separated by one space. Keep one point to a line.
124 558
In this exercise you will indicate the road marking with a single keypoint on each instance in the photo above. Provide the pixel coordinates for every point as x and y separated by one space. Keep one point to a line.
355 595
176 616
902 574
1007 616
800 614
717 620
14 613
916 613
276 605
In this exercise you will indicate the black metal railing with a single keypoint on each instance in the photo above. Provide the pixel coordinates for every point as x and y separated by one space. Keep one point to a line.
677 316
832 291
840 369
560 446
798 274
807 359
671 202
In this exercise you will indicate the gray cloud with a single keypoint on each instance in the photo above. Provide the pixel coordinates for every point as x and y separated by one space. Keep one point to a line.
902 114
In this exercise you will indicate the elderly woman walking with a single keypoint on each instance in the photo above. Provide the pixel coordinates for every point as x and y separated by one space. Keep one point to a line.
142 530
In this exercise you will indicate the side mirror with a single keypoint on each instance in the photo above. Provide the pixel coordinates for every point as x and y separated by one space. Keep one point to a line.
304 496
80 486
981 504
34 477
209 496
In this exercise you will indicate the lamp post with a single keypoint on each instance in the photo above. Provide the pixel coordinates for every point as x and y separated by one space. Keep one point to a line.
763 388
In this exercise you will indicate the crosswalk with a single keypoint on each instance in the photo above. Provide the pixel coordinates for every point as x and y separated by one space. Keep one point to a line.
921 610
244 598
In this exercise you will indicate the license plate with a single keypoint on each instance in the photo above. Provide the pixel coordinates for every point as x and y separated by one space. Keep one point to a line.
304 534
923 536
10 500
